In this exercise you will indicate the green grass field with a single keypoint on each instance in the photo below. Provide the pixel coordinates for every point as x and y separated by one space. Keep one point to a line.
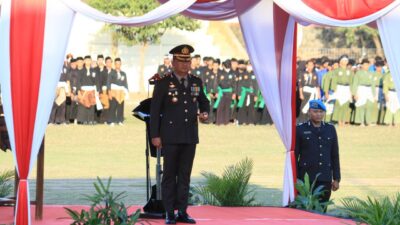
370 156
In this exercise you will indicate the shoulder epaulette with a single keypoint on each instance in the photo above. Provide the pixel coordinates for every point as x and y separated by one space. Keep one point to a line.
166 75
194 75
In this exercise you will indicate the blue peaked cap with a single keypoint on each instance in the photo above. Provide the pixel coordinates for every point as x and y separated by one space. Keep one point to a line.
317 104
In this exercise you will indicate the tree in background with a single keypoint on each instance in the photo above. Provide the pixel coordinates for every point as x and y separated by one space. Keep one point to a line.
358 37
144 35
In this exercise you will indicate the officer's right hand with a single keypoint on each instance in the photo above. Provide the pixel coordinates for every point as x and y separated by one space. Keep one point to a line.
156 142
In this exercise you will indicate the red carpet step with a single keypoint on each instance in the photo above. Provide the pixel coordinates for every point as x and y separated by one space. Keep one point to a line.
204 215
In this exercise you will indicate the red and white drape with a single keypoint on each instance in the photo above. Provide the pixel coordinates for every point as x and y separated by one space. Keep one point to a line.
34 35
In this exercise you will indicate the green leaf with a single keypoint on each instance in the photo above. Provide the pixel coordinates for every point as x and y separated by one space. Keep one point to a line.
231 189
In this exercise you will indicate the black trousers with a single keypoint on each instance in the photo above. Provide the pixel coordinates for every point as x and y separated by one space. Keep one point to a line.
104 116
212 116
263 117
116 112
58 113
224 110
177 168
327 190
84 114
246 114
71 110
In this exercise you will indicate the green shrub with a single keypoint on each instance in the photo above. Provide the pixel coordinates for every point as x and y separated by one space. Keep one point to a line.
105 208
308 196
231 189
384 211
6 186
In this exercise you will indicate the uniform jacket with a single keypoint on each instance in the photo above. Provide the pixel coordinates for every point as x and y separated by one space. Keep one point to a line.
317 151
174 110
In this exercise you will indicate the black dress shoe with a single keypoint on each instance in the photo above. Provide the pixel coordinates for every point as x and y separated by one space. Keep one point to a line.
170 218
183 217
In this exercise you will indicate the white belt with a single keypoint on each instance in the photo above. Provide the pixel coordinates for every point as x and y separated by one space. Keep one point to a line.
364 94
342 94
88 88
393 104
120 88
117 87
62 84
313 92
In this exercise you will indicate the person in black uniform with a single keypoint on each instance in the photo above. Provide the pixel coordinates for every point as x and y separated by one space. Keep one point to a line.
226 89
165 68
212 85
57 115
317 150
118 91
87 88
235 71
246 94
72 76
308 88
177 100
195 68
101 84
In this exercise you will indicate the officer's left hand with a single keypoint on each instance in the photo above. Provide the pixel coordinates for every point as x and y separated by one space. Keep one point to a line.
203 117
335 185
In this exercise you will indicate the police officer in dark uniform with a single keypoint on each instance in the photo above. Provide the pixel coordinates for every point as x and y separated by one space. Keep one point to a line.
317 150
177 100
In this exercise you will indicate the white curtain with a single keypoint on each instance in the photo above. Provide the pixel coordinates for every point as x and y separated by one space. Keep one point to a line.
56 38
389 31
218 10
162 12
258 28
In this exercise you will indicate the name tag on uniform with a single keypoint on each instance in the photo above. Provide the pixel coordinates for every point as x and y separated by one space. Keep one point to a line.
307 132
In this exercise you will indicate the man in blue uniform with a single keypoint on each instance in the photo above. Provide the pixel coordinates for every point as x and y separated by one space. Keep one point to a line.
177 99
317 150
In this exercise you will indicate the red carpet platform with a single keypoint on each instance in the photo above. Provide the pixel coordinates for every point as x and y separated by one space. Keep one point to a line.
205 215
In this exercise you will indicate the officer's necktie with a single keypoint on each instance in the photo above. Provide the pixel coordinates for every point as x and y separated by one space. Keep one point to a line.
183 82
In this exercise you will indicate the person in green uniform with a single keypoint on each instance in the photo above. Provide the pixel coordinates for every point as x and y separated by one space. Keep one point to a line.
341 81
363 91
378 108
328 92
392 115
